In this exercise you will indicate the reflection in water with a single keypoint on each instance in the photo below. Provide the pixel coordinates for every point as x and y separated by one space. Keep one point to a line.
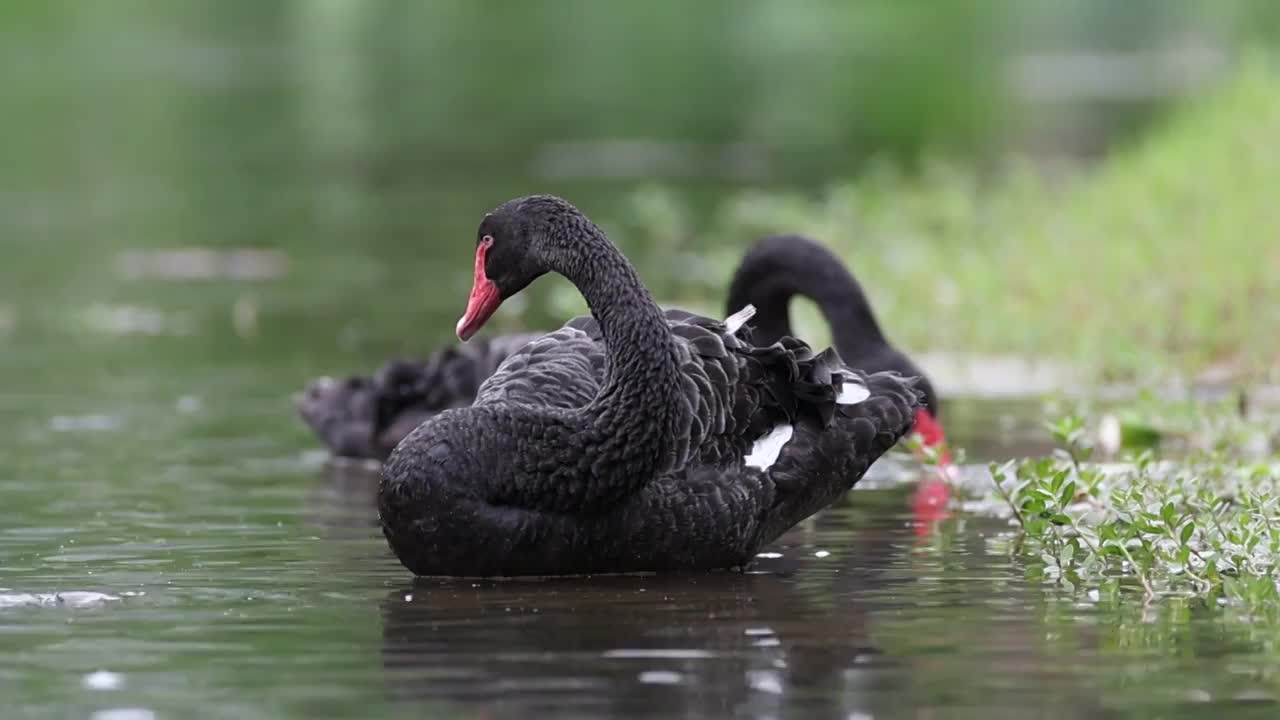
346 495
785 635
671 646
852 614
929 504
796 634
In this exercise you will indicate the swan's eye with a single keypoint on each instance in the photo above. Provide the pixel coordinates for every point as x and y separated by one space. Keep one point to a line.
486 241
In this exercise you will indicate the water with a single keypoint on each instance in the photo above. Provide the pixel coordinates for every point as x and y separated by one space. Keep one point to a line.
257 586
200 209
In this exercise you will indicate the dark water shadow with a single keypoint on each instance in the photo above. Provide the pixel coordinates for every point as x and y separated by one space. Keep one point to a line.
708 645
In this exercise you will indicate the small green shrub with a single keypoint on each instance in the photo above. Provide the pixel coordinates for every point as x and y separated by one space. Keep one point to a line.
1206 525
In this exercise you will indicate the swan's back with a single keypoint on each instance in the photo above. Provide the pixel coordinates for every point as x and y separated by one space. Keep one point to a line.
734 392
561 369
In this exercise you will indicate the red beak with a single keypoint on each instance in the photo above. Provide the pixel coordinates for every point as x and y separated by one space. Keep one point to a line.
484 299
931 432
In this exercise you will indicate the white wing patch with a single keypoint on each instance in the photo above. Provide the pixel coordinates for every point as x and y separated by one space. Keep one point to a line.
852 392
765 451
735 321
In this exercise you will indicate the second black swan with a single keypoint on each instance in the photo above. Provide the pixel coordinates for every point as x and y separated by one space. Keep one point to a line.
779 268
631 440
364 417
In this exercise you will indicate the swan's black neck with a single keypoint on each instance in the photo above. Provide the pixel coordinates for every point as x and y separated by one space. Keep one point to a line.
628 434
639 348
779 268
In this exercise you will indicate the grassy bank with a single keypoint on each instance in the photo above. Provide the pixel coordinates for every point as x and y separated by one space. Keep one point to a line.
1165 257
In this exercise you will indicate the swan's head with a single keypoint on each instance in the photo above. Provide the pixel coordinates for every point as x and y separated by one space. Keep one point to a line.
516 243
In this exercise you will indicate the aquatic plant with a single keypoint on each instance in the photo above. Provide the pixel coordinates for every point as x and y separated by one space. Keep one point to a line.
1205 525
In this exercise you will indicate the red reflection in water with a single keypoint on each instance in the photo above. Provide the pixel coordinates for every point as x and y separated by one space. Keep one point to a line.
929 501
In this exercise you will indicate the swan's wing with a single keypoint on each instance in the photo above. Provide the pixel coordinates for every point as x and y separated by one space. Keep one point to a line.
744 402
720 407
675 316
499 349
738 396
818 464
561 369
728 512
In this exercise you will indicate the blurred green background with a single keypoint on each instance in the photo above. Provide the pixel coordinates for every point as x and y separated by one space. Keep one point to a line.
362 140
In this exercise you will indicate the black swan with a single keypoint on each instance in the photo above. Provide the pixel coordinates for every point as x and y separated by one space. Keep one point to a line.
631 440
781 267
365 417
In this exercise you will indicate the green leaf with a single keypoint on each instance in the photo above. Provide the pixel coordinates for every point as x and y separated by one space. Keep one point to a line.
1148 527
1068 493
1061 430
1187 531
1134 434
1169 514
1067 554
1089 567
1044 493
1231 587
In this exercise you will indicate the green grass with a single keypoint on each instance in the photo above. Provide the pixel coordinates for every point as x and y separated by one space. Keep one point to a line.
1165 257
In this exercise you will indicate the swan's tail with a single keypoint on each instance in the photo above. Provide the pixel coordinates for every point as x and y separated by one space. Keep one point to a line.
821 461
804 386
